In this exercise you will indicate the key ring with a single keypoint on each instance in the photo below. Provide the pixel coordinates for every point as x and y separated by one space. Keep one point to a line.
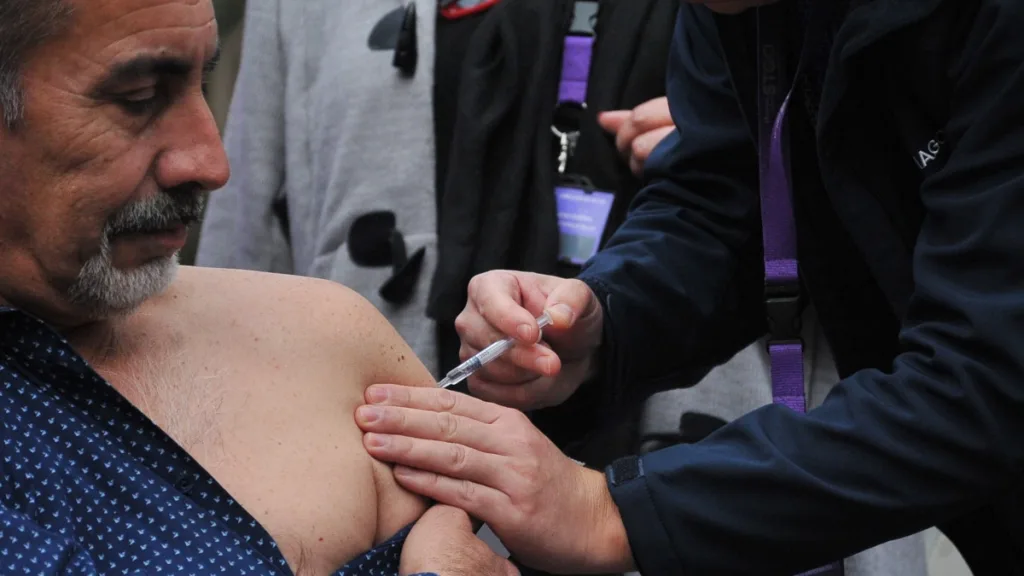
567 146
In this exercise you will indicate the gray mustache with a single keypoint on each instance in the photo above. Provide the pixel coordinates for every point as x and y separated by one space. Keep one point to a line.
163 211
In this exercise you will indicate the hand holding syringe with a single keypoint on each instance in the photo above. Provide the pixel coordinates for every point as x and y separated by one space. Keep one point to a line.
485 356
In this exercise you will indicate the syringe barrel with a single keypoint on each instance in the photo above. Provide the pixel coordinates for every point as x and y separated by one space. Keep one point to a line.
490 353
494 350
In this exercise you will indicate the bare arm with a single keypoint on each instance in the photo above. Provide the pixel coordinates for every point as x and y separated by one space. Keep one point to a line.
298 355
382 356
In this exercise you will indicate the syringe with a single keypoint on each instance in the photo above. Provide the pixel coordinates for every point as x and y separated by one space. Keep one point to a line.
484 357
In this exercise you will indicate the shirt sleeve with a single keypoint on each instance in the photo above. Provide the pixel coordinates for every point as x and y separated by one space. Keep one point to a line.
889 453
680 281
26 548
241 228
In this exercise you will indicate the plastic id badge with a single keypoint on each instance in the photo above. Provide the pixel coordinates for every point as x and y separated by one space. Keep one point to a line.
582 217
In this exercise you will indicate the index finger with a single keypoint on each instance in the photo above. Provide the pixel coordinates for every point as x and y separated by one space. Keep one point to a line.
612 120
652 115
433 400
498 299
624 138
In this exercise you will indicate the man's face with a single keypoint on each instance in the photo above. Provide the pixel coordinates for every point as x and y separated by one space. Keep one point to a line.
112 160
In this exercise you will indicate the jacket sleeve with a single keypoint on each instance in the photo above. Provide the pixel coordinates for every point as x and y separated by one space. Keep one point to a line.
30 549
668 277
240 228
888 453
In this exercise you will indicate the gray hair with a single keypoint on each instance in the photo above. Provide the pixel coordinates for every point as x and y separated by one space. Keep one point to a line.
24 25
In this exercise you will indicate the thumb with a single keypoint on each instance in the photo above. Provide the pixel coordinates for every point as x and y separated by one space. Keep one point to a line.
570 300
509 568
442 517
613 120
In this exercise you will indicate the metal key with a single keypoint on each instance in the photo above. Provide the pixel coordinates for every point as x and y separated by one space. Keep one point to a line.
567 147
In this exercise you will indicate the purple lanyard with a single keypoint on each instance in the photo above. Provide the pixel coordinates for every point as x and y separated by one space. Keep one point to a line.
572 91
576 56
781 270
577 53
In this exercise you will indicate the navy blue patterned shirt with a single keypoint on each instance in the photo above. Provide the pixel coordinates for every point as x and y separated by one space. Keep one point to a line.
90 485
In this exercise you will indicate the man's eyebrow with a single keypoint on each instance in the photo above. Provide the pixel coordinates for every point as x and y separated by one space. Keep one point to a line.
148 66
210 64
144 67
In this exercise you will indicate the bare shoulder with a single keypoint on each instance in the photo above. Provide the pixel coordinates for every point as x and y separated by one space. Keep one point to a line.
309 318
317 345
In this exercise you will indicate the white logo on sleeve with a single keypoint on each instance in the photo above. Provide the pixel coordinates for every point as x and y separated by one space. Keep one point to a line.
931 151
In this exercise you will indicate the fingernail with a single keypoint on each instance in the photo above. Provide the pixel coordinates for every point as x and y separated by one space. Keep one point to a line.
525 331
377 394
565 311
544 365
376 440
368 414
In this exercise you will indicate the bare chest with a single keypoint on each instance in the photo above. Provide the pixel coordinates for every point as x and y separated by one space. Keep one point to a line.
280 440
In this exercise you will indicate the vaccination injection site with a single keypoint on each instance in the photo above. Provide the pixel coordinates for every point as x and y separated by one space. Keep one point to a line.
512 287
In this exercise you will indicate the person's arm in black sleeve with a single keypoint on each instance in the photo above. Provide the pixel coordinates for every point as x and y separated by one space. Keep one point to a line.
887 454
667 278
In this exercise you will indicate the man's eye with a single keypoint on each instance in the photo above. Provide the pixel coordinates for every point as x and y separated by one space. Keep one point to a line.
141 101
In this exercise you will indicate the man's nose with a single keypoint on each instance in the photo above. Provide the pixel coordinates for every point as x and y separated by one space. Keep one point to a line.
195 153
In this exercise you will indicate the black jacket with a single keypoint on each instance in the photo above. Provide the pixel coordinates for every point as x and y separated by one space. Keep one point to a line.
916 269
498 206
